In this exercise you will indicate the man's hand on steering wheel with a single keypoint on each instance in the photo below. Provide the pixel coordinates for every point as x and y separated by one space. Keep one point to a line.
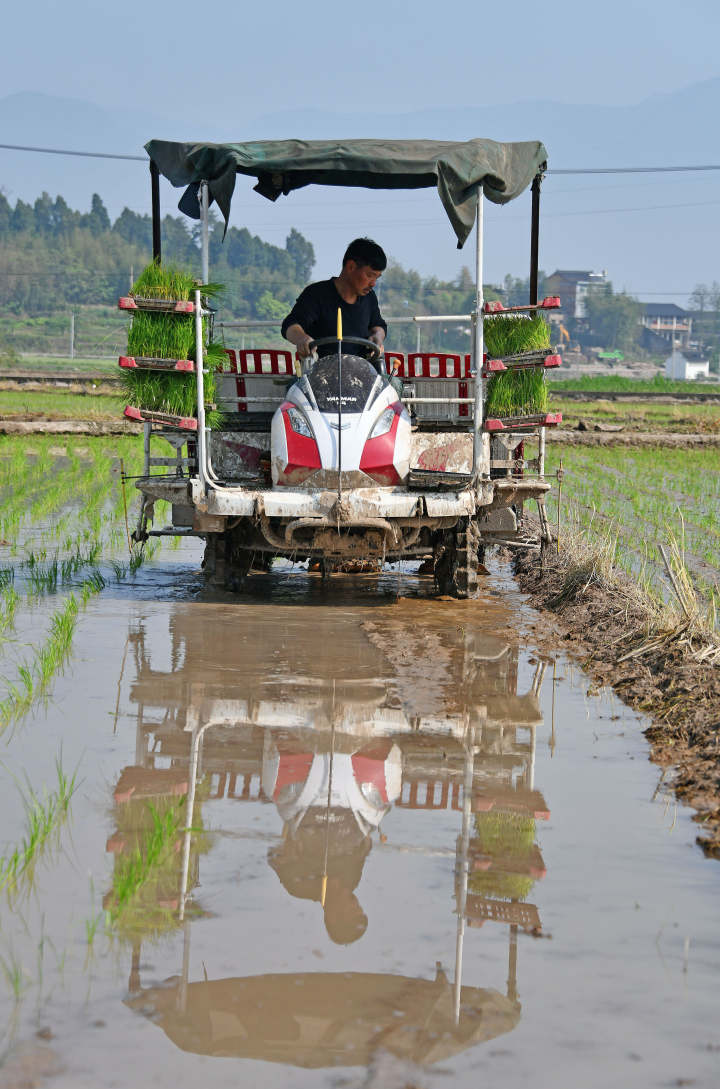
304 346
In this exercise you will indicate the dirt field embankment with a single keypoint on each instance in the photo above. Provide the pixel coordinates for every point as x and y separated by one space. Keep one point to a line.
17 426
632 438
654 672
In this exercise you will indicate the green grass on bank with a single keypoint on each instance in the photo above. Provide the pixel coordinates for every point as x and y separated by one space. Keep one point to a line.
59 404
613 384
63 364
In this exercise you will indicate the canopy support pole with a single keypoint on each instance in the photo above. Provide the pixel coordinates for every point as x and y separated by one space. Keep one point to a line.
155 199
199 375
478 342
534 238
204 233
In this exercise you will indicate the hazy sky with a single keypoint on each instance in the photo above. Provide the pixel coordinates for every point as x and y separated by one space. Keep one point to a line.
255 58
229 64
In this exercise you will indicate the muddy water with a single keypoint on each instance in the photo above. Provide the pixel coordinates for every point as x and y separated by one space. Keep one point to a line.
421 853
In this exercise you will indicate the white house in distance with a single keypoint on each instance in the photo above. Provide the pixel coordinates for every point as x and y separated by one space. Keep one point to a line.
686 366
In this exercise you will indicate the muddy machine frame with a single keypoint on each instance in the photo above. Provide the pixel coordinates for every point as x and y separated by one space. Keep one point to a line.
466 489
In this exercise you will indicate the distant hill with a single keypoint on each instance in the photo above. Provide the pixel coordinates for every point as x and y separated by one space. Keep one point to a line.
664 250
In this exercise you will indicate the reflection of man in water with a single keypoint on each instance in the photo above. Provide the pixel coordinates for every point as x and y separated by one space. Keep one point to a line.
329 802
299 861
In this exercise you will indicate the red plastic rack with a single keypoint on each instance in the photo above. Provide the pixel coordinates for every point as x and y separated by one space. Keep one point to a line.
155 363
182 423
523 423
521 361
494 306
165 306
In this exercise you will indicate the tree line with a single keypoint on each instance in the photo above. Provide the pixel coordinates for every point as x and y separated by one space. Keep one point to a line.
55 258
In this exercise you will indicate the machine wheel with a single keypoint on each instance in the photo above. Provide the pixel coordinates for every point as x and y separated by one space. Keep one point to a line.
456 567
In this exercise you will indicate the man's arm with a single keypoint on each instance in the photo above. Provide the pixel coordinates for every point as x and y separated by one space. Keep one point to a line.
297 336
378 325
377 334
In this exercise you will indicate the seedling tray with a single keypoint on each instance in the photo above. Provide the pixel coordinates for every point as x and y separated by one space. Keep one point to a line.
521 361
164 306
522 423
142 415
155 363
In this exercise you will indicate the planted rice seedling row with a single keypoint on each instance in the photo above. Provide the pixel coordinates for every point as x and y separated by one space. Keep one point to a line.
624 501
44 815
656 502
34 677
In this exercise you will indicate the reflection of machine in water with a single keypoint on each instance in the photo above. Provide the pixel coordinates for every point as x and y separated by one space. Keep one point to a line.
334 758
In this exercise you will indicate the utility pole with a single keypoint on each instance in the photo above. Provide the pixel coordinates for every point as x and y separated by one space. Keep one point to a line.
132 277
72 335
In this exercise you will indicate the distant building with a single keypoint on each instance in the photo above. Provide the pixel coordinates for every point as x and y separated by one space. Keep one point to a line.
665 323
686 366
573 285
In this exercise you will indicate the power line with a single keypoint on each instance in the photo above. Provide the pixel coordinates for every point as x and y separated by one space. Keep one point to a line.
552 170
629 169
82 154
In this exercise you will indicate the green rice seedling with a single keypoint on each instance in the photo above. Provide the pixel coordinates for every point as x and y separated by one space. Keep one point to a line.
516 392
142 552
44 815
9 599
7 576
92 585
91 927
173 393
161 335
504 837
501 886
511 334
158 281
119 570
14 976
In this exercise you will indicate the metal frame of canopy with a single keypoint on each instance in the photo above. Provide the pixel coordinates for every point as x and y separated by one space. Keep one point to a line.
477 315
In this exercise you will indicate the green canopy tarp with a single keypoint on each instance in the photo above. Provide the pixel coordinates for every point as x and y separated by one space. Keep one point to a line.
456 169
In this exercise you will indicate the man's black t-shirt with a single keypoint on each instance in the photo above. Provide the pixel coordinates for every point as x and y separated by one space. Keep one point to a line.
316 312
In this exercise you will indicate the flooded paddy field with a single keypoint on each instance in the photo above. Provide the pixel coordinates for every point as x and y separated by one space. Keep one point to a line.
323 834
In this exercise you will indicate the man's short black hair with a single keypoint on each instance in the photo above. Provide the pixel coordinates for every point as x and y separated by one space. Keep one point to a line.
363 251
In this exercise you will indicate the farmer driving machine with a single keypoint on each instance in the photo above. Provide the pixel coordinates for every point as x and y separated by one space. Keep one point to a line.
328 459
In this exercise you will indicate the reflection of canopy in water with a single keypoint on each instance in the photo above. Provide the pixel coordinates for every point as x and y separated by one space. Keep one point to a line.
318 1019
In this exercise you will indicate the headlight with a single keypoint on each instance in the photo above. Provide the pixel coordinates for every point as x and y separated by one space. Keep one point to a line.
298 422
371 794
384 423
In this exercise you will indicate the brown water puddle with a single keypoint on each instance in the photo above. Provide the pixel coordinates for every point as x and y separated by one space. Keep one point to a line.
418 854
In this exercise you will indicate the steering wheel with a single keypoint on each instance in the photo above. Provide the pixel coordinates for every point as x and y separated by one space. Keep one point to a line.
375 349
